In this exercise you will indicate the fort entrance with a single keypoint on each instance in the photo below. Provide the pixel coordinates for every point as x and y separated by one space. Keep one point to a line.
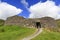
38 25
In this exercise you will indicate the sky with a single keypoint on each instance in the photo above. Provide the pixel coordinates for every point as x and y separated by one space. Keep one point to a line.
30 8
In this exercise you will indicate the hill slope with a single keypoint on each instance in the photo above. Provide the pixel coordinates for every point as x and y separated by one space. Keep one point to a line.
48 35
15 32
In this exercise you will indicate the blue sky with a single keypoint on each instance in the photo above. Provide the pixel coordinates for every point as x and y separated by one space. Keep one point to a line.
25 12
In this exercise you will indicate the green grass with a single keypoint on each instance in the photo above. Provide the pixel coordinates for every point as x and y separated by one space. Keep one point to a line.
1 22
58 23
14 32
46 35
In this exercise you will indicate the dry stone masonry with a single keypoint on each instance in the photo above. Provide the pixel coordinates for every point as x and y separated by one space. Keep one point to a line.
21 21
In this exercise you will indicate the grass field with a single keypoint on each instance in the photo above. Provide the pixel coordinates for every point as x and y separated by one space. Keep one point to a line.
17 33
14 32
46 35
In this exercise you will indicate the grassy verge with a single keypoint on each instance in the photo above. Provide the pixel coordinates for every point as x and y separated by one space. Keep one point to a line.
48 35
14 32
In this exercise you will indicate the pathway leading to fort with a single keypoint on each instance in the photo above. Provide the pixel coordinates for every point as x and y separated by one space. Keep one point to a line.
33 35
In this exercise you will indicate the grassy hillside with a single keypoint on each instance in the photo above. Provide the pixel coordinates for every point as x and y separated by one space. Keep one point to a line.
48 35
14 32
1 22
58 22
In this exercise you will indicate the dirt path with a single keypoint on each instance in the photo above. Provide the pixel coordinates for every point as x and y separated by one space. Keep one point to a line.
34 35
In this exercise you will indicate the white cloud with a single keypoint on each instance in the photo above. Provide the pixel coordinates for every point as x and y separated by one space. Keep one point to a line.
25 3
7 10
47 8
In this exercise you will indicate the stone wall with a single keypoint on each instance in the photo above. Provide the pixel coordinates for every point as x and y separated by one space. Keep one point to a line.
17 20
